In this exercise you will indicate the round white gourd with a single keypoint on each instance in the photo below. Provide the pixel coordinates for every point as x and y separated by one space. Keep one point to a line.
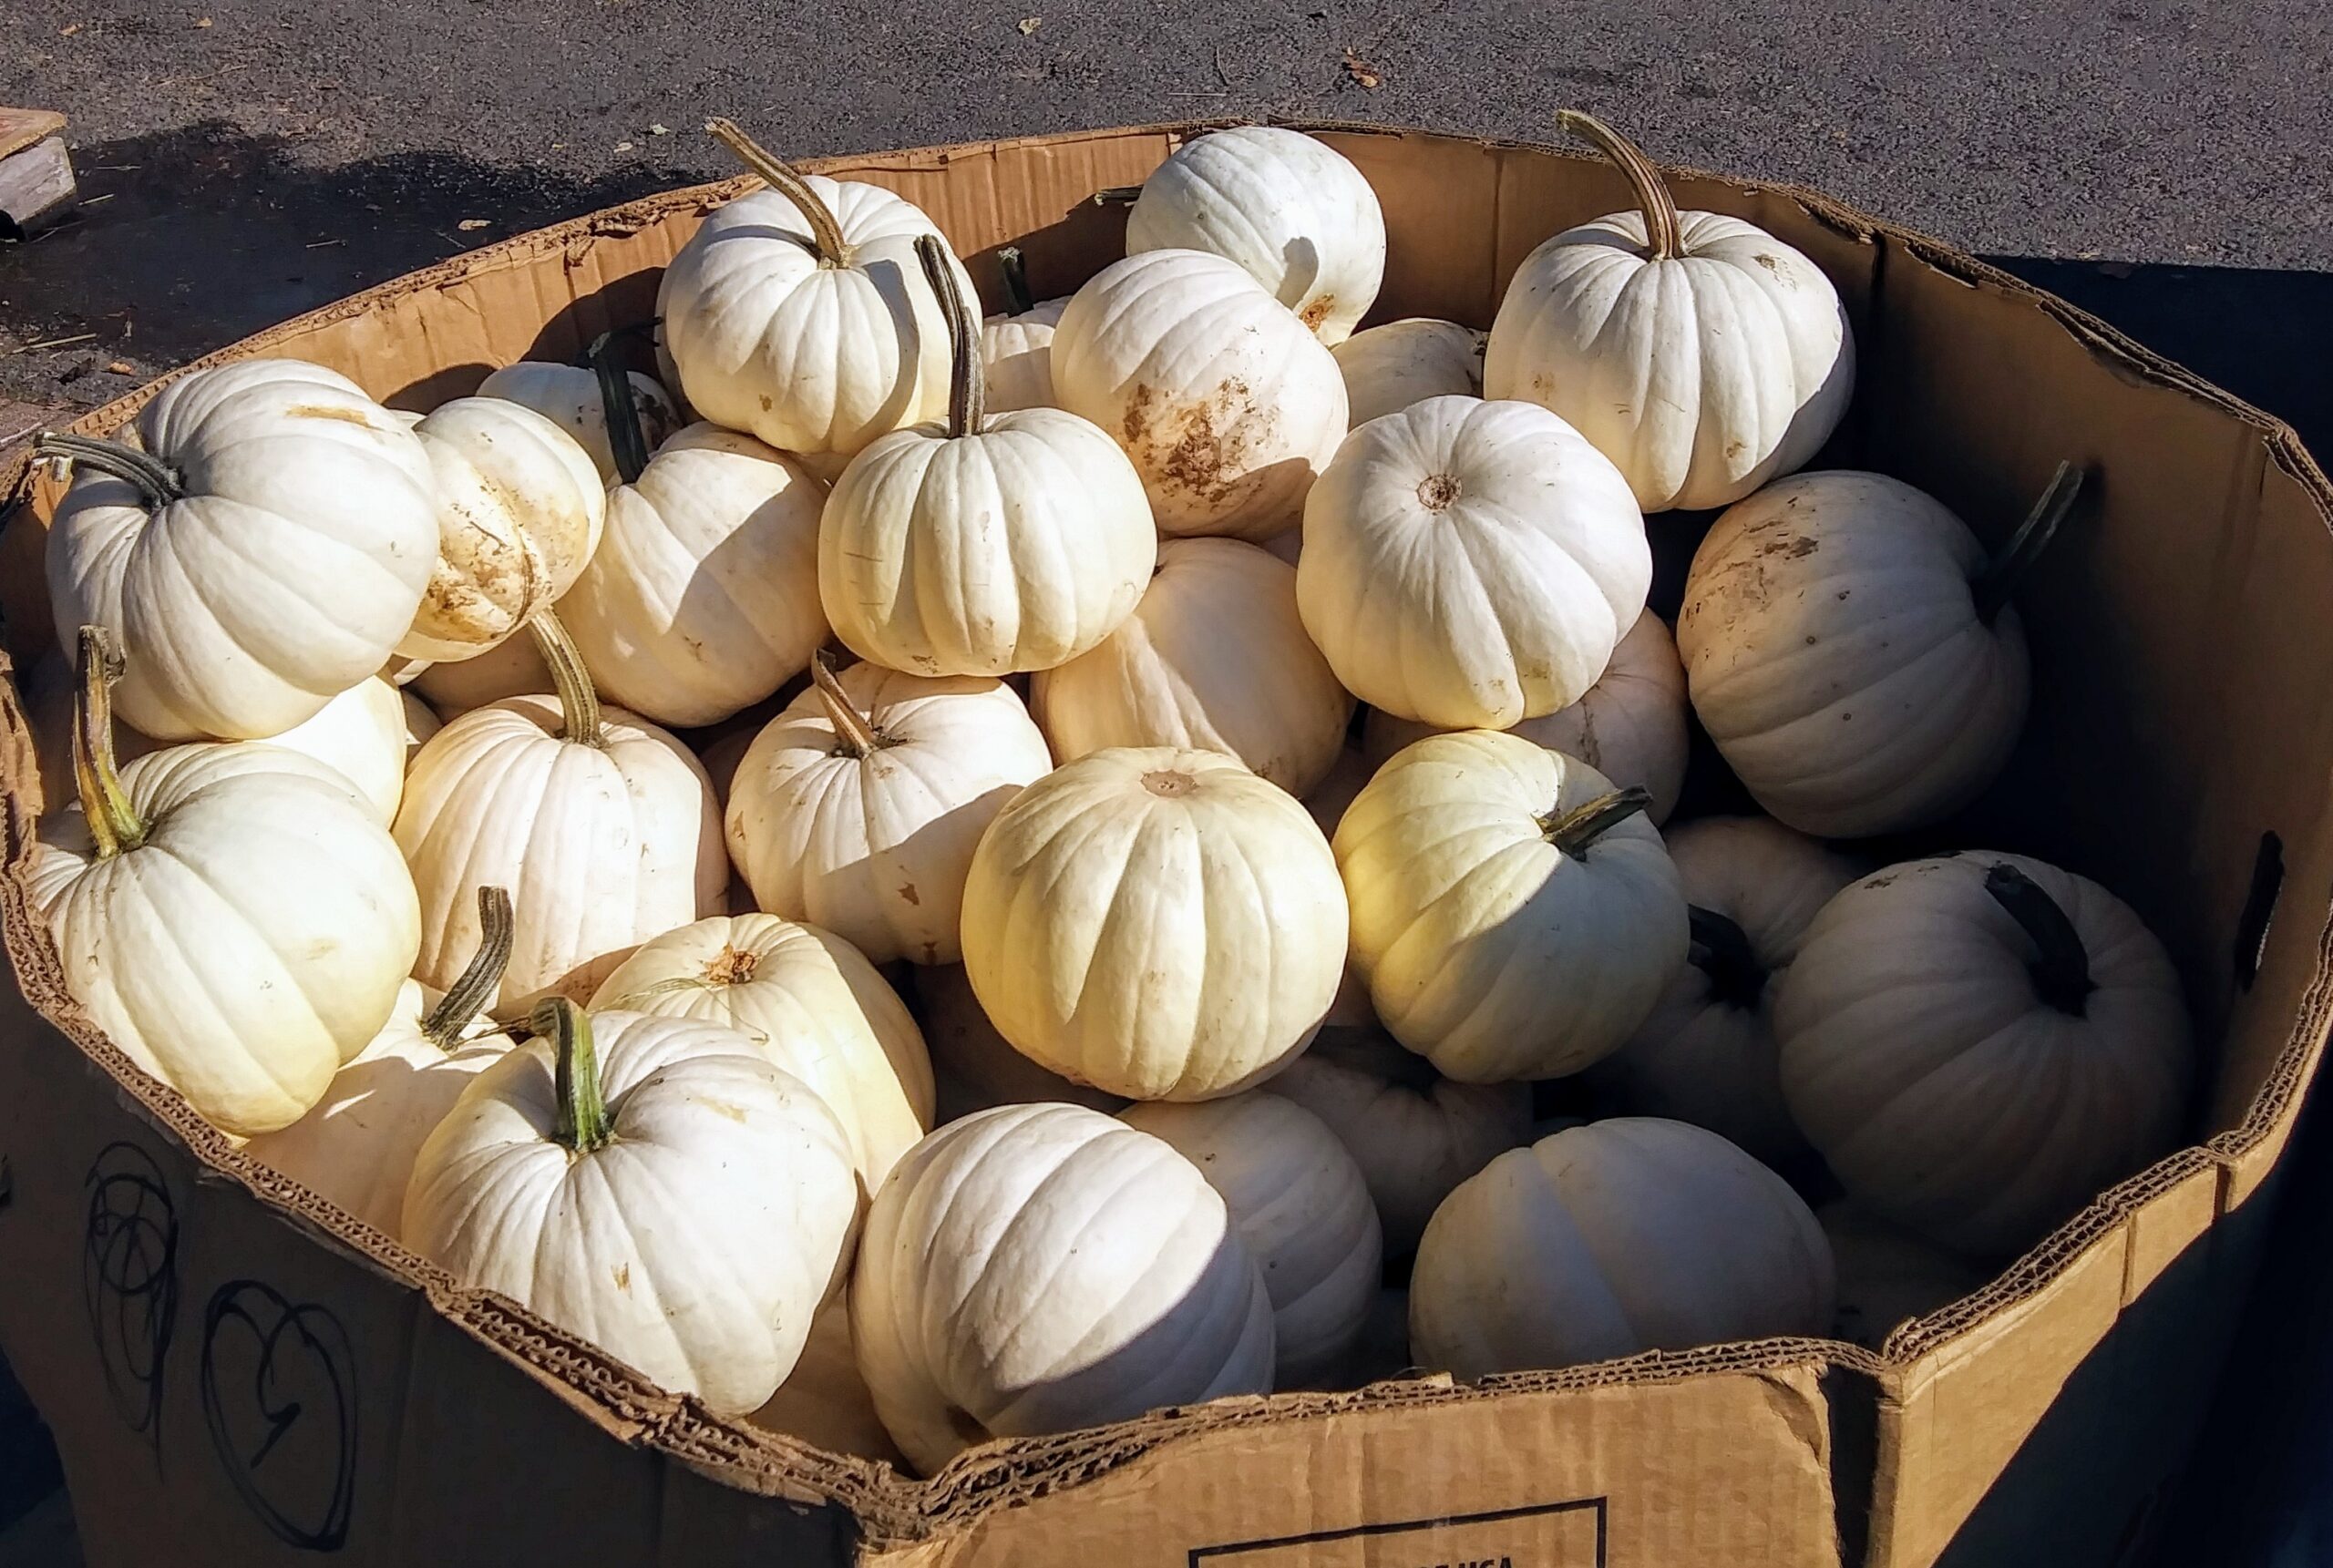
1038 1269
858 807
974 1068
1387 368
266 552
1610 1239
1887 1275
1470 564
1514 915
652 1184
1226 404
1299 1202
1698 351
1980 1044
1160 924
569 396
1017 346
1287 207
1631 726
1214 657
1706 1055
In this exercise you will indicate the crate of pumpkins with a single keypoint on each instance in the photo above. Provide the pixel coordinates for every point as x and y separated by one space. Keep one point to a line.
1531 836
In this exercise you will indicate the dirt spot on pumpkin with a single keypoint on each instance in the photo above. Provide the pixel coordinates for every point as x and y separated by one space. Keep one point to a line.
1200 447
1316 309
623 1276
731 967
317 411
1797 549
1734 449
1771 263
908 892
1169 781
766 403
722 1108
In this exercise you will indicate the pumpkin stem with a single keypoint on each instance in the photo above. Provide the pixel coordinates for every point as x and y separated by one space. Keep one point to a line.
443 1025
578 700
1664 237
114 824
581 1121
1018 301
825 229
857 736
2061 968
1999 577
156 480
967 389
1721 950
1117 195
1577 830
626 438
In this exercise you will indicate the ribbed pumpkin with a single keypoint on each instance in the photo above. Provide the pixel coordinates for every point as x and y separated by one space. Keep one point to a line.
1017 346
1387 368
572 398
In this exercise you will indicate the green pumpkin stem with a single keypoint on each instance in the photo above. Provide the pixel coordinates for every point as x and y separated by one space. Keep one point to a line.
581 1121
626 439
967 389
859 737
1018 300
1664 232
444 1024
1721 950
1576 830
825 229
578 700
114 823
2061 967
154 480
1998 579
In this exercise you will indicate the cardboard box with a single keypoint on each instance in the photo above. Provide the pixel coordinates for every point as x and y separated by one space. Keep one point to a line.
237 1375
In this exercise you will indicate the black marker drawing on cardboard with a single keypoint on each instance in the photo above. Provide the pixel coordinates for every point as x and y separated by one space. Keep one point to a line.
279 1393
129 1281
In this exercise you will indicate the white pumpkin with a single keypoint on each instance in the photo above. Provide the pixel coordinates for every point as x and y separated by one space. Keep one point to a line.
520 507
263 551
824 1400
1631 726
1160 924
568 395
1515 916
365 735
1610 1239
1299 1202
858 807
974 1067
652 1184
1287 207
1470 564
813 1004
1698 351
1038 1269
232 916
603 824
1387 368
703 597
1414 1133
1706 1054
985 545
1854 654
355 1147
512 668
1017 346
1227 406
1887 1275
1214 657
799 314
1982 1043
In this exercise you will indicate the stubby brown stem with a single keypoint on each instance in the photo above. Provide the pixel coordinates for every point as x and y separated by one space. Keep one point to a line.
581 1120
1664 234
858 736
154 480
578 700
625 438
967 388
825 230
496 924
1993 586
114 823
1576 830
2061 967
1018 301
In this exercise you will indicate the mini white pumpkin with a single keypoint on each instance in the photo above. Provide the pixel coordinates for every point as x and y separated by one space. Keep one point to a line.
797 313
1414 1133
858 807
1470 564
1161 924
1610 1239
1299 1202
985 545
520 507
1017 346
1631 726
1387 368
1287 207
1887 1275
813 1004
263 549
232 916
1982 1043
974 1067
652 1184
1698 351
572 397
604 824
1514 915
1706 1054
1227 406
1854 654
1214 657
702 598
824 1400
1038 1269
